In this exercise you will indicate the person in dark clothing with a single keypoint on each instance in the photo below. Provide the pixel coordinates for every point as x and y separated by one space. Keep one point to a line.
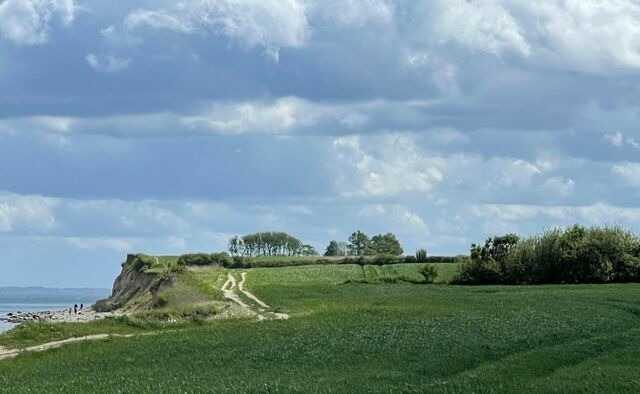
75 309
81 306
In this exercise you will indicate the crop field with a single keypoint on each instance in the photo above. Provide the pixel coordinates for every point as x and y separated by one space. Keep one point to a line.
347 335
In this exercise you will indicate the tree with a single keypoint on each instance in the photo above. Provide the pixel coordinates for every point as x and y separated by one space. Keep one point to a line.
358 243
386 244
236 246
332 249
308 250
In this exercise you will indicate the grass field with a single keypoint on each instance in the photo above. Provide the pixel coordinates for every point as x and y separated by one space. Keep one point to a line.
347 336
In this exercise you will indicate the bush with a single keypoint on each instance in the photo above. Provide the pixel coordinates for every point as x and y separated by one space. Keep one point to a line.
430 273
573 255
201 259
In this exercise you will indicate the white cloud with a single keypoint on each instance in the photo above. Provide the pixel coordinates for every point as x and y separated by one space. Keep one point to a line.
279 116
600 213
356 13
28 22
384 165
628 173
26 213
618 139
484 26
159 19
117 244
591 36
107 63
271 24
400 218
59 124
560 185
585 35
516 172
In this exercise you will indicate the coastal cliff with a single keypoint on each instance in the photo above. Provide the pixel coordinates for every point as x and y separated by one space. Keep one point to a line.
136 287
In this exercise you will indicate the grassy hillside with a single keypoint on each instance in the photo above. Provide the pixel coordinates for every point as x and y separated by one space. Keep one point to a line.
347 336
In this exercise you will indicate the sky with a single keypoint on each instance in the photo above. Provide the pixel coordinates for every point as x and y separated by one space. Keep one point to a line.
167 127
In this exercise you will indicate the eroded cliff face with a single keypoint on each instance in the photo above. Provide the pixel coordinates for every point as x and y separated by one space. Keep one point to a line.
134 290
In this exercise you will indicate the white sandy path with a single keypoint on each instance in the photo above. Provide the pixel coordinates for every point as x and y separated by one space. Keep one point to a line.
8 353
248 294
230 294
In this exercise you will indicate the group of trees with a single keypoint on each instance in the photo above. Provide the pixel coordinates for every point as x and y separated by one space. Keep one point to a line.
573 255
361 245
269 244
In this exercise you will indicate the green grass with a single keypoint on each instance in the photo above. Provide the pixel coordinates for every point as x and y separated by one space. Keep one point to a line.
161 266
361 337
30 334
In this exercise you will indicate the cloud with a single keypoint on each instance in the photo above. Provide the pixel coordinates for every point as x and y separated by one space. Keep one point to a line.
589 36
617 139
385 165
628 173
271 24
286 114
484 26
26 213
560 185
107 63
28 22
354 13
599 213
116 244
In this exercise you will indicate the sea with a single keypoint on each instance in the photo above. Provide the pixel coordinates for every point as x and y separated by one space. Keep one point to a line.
39 299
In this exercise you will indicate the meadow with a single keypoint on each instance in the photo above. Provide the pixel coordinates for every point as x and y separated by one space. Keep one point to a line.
352 331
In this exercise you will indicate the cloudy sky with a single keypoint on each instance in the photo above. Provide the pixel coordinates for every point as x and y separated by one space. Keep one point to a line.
168 126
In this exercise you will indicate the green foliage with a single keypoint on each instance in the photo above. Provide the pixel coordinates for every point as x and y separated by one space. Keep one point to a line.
421 255
269 243
385 244
32 333
336 248
200 259
430 273
574 255
358 243
332 249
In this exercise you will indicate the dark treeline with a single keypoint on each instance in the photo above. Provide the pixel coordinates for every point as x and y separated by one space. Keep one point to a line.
359 244
269 243
573 255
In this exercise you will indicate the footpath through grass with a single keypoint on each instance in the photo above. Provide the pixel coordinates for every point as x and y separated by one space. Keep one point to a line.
358 337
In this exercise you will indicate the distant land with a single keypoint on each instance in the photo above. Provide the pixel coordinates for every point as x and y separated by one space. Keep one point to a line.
51 295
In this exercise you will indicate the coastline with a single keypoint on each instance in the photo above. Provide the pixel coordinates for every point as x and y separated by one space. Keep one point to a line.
57 316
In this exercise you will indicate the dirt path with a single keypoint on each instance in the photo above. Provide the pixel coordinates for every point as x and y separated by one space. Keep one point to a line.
262 312
230 294
248 294
9 353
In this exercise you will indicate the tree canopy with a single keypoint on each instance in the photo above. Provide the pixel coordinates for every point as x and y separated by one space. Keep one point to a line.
386 244
269 243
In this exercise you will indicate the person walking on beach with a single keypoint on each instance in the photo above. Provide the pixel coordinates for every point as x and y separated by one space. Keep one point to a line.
81 306
75 309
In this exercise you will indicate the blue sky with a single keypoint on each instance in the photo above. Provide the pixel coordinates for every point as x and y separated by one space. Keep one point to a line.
168 126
